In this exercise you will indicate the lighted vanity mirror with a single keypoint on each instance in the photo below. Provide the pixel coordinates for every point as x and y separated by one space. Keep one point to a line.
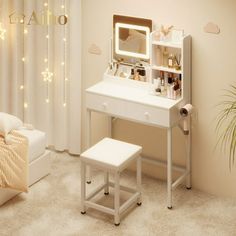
131 39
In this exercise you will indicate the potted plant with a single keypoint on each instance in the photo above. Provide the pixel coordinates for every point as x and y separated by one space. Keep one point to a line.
226 123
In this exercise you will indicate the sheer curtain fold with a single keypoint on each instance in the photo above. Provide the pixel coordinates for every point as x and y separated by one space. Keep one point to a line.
29 50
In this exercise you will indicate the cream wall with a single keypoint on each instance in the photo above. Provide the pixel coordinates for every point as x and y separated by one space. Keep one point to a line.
213 63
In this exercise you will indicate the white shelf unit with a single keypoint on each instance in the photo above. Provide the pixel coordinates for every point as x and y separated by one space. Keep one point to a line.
184 49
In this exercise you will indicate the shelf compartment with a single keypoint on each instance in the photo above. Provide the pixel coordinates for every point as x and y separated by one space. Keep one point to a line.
167 69
167 44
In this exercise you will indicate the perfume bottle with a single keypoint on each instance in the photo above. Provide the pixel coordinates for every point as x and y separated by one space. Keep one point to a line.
171 61
162 82
159 57
132 74
165 57
170 86
142 75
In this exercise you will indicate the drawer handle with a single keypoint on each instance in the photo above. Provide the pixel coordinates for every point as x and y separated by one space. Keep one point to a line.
104 105
147 115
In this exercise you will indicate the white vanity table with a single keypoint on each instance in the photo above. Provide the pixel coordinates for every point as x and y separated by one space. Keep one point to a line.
129 99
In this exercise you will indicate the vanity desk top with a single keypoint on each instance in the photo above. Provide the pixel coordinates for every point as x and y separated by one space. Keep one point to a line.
130 99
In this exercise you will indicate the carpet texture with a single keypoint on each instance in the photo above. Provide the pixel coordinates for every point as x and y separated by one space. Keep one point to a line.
52 207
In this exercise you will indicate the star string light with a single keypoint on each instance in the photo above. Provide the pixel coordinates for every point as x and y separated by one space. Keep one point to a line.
47 75
2 32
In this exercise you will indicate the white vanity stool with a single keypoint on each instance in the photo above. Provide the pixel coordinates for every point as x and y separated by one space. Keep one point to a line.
111 156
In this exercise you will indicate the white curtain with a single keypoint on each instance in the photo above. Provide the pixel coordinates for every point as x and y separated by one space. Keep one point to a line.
51 101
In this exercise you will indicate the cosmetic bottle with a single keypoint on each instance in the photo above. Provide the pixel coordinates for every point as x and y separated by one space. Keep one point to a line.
157 86
175 91
170 78
171 61
170 86
142 75
132 74
136 76
177 62
161 81
159 57
165 57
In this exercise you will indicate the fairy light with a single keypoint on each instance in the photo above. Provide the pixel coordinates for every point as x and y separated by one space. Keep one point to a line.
64 60
47 74
23 86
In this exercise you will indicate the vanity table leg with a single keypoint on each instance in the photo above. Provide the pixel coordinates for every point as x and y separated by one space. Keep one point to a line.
109 126
169 168
88 142
188 161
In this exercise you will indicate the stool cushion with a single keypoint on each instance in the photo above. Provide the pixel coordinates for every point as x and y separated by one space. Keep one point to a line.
111 153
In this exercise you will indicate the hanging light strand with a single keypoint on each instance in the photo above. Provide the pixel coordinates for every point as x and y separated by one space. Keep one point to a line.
47 75
23 85
64 62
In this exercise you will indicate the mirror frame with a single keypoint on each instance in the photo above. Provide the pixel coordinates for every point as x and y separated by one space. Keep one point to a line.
118 51
134 23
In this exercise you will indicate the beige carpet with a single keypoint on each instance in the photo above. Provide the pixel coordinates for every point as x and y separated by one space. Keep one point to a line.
53 208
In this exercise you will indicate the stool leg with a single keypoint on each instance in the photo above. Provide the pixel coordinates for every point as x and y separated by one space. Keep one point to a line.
83 187
106 181
139 179
117 199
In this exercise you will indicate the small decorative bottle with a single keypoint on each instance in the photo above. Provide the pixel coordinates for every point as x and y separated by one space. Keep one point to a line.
159 56
165 57
171 61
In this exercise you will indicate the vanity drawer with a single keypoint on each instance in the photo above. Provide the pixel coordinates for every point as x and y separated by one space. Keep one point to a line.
105 104
147 114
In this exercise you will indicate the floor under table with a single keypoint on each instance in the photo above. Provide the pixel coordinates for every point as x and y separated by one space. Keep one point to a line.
52 207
